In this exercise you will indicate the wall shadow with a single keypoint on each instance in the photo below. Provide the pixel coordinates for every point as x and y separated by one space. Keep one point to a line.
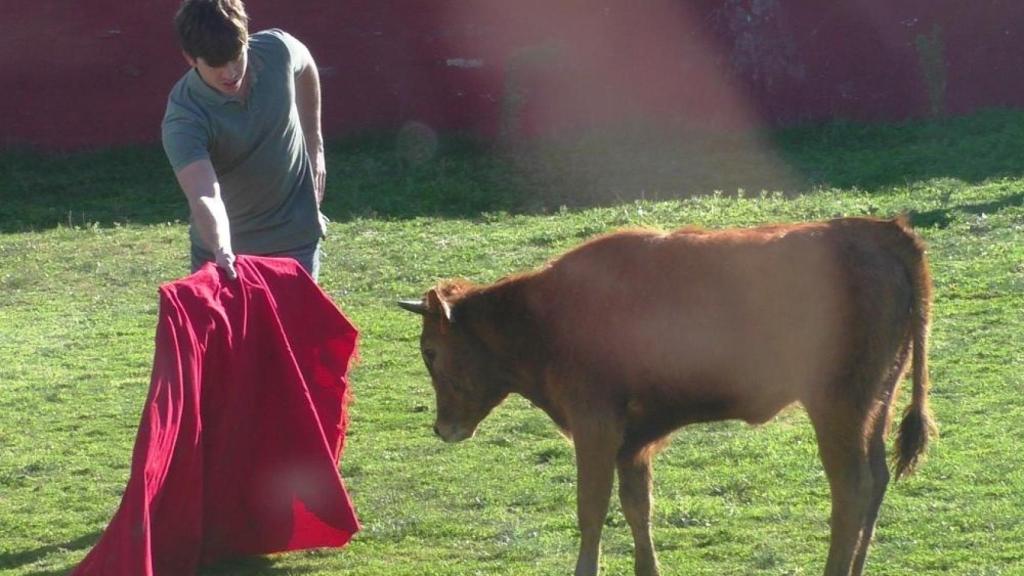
103 188
463 179
395 176
983 146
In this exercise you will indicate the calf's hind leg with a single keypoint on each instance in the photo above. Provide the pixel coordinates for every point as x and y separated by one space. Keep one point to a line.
845 456
635 483
878 422
879 483
876 459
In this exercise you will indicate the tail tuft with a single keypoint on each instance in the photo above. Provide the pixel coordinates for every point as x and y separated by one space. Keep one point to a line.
915 431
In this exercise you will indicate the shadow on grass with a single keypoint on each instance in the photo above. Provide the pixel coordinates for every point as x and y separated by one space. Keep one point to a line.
57 572
942 218
23 558
384 176
254 565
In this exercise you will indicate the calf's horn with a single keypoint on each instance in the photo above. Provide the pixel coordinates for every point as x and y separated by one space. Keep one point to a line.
416 306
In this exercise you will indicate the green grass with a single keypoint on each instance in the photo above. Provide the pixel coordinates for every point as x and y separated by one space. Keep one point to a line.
85 239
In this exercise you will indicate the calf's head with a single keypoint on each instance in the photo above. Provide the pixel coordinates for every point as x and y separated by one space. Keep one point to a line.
467 384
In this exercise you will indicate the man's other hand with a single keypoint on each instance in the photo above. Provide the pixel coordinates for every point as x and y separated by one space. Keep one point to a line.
226 262
319 165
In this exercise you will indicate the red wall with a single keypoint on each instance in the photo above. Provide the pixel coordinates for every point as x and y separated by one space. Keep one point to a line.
87 74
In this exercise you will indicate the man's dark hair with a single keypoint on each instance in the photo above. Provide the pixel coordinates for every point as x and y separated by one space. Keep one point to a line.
215 30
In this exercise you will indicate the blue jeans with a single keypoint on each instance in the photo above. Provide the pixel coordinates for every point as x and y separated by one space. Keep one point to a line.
307 256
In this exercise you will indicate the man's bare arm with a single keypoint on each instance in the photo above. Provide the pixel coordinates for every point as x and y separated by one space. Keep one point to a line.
209 216
307 101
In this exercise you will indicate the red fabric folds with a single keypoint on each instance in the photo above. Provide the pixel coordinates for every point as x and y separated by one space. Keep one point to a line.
237 451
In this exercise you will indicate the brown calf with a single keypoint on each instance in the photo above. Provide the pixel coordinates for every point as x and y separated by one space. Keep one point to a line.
634 334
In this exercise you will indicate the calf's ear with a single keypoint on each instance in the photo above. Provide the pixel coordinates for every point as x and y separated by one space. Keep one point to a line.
436 304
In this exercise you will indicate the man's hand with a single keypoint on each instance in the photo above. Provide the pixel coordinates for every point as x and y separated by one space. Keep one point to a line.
226 262
324 221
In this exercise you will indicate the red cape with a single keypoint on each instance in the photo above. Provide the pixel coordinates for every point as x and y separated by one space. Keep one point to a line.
237 451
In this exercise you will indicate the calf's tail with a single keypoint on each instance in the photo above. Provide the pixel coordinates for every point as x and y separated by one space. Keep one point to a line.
917 425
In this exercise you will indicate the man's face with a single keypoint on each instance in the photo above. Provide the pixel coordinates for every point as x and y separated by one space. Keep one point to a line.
227 79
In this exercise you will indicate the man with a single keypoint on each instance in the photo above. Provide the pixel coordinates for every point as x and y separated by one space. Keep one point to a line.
242 132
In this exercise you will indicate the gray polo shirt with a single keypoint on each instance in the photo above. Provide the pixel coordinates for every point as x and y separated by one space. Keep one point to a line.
257 148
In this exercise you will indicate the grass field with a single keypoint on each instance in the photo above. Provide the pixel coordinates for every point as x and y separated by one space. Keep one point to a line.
86 239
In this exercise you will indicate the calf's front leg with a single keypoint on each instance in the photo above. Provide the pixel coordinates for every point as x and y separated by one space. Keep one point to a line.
595 471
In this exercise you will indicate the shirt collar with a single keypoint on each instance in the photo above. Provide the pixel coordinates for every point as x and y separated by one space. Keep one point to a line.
199 86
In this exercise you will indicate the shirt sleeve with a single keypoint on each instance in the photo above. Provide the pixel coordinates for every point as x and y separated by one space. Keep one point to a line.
184 139
298 55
